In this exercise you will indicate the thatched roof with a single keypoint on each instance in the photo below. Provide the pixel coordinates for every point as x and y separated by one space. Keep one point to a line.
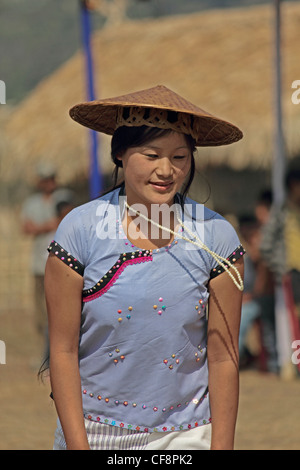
221 60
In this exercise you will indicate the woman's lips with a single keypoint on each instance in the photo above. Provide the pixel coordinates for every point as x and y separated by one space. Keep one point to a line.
161 186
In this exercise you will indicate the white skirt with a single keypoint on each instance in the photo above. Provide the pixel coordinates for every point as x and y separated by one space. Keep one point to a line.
107 437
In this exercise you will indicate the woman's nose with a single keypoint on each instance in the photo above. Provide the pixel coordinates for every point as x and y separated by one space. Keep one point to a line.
164 167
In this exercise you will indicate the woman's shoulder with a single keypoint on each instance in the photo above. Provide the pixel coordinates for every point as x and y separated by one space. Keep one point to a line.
216 229
201 212
78 230
93 208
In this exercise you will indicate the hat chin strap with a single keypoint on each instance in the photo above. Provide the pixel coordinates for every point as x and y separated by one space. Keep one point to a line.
155 117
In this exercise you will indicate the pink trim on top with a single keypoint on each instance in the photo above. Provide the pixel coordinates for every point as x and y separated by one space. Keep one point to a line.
115 277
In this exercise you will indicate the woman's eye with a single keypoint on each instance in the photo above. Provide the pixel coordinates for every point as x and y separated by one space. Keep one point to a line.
152 155
179 157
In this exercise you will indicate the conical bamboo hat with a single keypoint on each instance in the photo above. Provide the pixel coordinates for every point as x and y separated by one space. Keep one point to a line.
156 107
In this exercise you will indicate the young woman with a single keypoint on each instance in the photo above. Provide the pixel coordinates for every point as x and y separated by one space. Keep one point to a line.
143 289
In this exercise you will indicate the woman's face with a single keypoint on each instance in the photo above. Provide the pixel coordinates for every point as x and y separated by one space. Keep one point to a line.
154 172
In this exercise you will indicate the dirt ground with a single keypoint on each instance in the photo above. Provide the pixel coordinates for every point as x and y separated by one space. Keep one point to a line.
269 413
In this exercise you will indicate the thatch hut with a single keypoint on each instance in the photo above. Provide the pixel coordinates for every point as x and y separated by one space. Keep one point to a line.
222 60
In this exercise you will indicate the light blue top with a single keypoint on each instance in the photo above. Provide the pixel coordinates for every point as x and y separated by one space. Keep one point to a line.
142 351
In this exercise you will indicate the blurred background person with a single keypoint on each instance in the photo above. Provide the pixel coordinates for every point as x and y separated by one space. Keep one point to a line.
248 229
41 214
280 248
263 206
292 234
280 245
265 288
258 300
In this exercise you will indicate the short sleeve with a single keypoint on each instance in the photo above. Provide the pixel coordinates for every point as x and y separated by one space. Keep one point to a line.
68 243
226 244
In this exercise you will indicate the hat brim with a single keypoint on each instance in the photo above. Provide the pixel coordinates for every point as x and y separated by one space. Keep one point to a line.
101 115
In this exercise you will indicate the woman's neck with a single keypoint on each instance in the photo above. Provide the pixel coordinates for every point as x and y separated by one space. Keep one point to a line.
149 228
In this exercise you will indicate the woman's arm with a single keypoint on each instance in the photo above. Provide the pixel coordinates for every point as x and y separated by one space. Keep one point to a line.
223 357
63 288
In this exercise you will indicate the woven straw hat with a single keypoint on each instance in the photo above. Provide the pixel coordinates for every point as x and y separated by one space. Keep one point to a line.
156 107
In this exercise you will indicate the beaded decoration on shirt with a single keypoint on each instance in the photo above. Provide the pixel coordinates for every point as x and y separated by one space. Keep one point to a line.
106 282
66 257
237 254
142 407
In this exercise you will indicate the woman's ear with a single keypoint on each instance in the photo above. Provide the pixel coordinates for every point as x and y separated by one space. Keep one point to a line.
118 159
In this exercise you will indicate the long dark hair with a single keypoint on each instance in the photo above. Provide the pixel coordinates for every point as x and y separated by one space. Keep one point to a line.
128 137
